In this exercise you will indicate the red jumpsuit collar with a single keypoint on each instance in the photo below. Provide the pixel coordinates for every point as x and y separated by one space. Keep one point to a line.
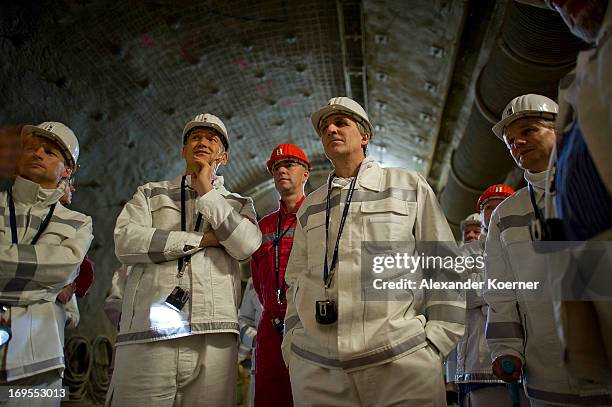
283 210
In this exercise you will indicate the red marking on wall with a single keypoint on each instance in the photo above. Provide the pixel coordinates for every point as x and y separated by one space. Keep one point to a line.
290 102
147 41
263 88
186 56
241 62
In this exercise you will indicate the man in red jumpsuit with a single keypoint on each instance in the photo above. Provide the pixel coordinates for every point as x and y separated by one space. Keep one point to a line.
290 168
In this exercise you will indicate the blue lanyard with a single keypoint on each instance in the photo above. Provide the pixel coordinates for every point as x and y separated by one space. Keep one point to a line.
13 221
187 258
280 290
328 272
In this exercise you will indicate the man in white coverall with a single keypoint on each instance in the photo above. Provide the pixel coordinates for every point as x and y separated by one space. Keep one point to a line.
581 167
340 349
478 386
470 228
470 231
521 331
177 342
42 244
249 316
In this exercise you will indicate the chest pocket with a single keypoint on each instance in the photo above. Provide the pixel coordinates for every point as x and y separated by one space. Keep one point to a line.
388 220
515 229
315 237
166 213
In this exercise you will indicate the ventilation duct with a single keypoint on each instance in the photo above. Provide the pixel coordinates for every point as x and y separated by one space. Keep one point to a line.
533 51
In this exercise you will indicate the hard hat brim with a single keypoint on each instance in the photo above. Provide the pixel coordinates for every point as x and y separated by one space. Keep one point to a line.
270 163
465 223
498 129
54 137
328 110
193 124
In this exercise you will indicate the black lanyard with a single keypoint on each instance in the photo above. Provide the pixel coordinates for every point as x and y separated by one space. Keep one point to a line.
13 221
328 272
280 290
187 258
536 209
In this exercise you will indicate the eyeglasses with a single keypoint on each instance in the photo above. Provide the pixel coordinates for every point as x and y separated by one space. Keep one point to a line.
287 164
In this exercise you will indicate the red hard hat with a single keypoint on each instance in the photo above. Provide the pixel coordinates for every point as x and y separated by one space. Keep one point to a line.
84 280
287 152
502 191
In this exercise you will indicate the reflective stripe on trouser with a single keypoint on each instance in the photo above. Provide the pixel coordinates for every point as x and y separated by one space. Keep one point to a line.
45 380
416 379
197 370
497 395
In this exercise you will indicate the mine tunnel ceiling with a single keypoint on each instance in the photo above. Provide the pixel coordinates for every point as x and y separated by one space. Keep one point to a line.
127 75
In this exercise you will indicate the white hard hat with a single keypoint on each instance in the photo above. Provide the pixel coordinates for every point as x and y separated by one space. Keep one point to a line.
529 105
208 120
62 135
342 105
473 219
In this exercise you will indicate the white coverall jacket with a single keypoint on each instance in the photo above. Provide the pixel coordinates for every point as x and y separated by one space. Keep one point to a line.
389 204
249 317
31 276
73 315
473 354
148 236
521 322
114 301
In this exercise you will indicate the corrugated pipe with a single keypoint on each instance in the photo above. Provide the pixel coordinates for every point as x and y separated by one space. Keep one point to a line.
534 50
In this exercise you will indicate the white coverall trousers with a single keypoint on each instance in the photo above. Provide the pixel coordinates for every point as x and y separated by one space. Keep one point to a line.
416 379
493 396
197 370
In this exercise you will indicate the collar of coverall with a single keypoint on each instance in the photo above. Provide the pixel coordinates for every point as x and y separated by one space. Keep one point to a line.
537 179
369 179
29 192
217 181
473 247
283 210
